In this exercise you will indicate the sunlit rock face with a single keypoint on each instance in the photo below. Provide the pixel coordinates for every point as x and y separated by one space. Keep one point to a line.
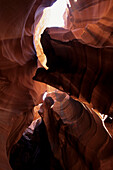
90 21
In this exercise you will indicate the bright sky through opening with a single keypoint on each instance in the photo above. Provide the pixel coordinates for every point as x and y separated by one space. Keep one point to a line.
52 17
56 12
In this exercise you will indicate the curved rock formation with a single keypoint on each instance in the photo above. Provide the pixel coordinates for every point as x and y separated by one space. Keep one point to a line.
18 63
78 69
33 151
80 58
80 63
76 134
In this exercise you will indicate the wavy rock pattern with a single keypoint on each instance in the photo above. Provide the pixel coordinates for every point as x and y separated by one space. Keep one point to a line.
80 70
76 134
18 63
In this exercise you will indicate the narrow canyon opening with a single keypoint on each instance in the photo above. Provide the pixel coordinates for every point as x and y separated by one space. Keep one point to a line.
56 71
54 16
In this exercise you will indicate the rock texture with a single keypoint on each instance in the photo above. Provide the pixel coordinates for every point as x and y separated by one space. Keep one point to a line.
80 58
33 151
18 63
76 134
80 63
80 70
69 136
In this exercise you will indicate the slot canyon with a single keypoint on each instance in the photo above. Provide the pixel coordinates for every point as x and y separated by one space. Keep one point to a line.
56 84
